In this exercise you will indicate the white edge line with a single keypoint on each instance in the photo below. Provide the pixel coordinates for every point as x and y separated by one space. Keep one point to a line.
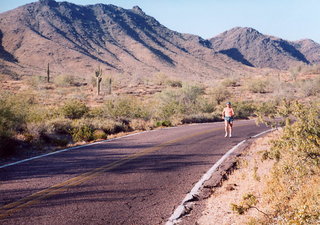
257 135
68 149
181 209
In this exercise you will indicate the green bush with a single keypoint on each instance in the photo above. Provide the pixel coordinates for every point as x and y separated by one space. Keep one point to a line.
99 134
82 132
179 101
243 109
266 109
163 123
74 109
13 109
59 125
125 108
291 186
206 105
38 113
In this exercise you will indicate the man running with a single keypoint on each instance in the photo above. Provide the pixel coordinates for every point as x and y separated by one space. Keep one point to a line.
227 115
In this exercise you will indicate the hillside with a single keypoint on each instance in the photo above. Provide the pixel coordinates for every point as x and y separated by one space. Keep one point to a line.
77 39
252 48
309 48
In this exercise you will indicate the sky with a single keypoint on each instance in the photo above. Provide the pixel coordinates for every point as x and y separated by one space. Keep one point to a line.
287 19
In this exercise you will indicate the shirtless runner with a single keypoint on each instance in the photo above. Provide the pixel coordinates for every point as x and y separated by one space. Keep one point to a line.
227 115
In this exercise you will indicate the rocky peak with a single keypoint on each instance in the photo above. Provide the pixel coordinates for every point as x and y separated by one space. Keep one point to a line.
49 2
137 9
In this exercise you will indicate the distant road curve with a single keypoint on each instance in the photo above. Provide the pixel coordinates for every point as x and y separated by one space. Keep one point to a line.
137 179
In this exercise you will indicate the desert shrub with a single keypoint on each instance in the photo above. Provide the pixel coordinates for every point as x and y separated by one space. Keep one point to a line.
163 123
109 126
219 94
59 125
174 83
64 80
230 82
125 107
291 187
82 130
243 109
36 132
40 113
179 101
35 81
249 201
266 109
284 90
11 114
140 124
74 109
160 78
310 87
168 104
202 118
13 110
258 85
206 105
61 142
99 134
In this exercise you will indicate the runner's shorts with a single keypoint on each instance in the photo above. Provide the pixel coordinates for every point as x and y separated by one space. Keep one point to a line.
229 119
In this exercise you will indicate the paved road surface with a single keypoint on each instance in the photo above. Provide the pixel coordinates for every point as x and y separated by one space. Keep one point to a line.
138 179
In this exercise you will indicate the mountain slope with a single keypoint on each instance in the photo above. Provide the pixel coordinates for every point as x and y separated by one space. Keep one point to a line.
309 48
76 39
252 48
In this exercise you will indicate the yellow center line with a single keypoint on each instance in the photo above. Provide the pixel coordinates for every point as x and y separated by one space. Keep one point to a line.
11 208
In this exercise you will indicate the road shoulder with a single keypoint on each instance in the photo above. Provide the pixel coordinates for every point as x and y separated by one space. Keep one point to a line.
239 175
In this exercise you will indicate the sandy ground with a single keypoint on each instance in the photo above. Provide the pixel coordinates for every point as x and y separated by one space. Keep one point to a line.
247 179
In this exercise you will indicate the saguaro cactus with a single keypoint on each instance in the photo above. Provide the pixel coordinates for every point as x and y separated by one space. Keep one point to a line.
48 73
109 85
98 74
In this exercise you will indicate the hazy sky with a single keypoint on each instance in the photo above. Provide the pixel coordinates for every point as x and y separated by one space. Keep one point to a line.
288 19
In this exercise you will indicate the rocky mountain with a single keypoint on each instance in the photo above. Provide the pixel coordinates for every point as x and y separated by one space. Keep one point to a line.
77 39
252 48
309 48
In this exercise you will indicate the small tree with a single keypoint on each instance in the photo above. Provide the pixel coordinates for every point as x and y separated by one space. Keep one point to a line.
98 74
220 94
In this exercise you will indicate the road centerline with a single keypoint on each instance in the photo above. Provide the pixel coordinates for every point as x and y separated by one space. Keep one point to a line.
11 208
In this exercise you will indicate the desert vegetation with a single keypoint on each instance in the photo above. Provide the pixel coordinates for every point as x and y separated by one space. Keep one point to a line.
68 110
292 193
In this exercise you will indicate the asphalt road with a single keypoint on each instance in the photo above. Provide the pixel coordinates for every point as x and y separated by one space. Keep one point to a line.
138 179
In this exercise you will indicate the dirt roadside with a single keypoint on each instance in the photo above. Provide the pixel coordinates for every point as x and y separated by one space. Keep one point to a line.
240 175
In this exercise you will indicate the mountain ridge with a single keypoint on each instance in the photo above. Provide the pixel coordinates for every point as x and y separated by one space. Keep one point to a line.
76 39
